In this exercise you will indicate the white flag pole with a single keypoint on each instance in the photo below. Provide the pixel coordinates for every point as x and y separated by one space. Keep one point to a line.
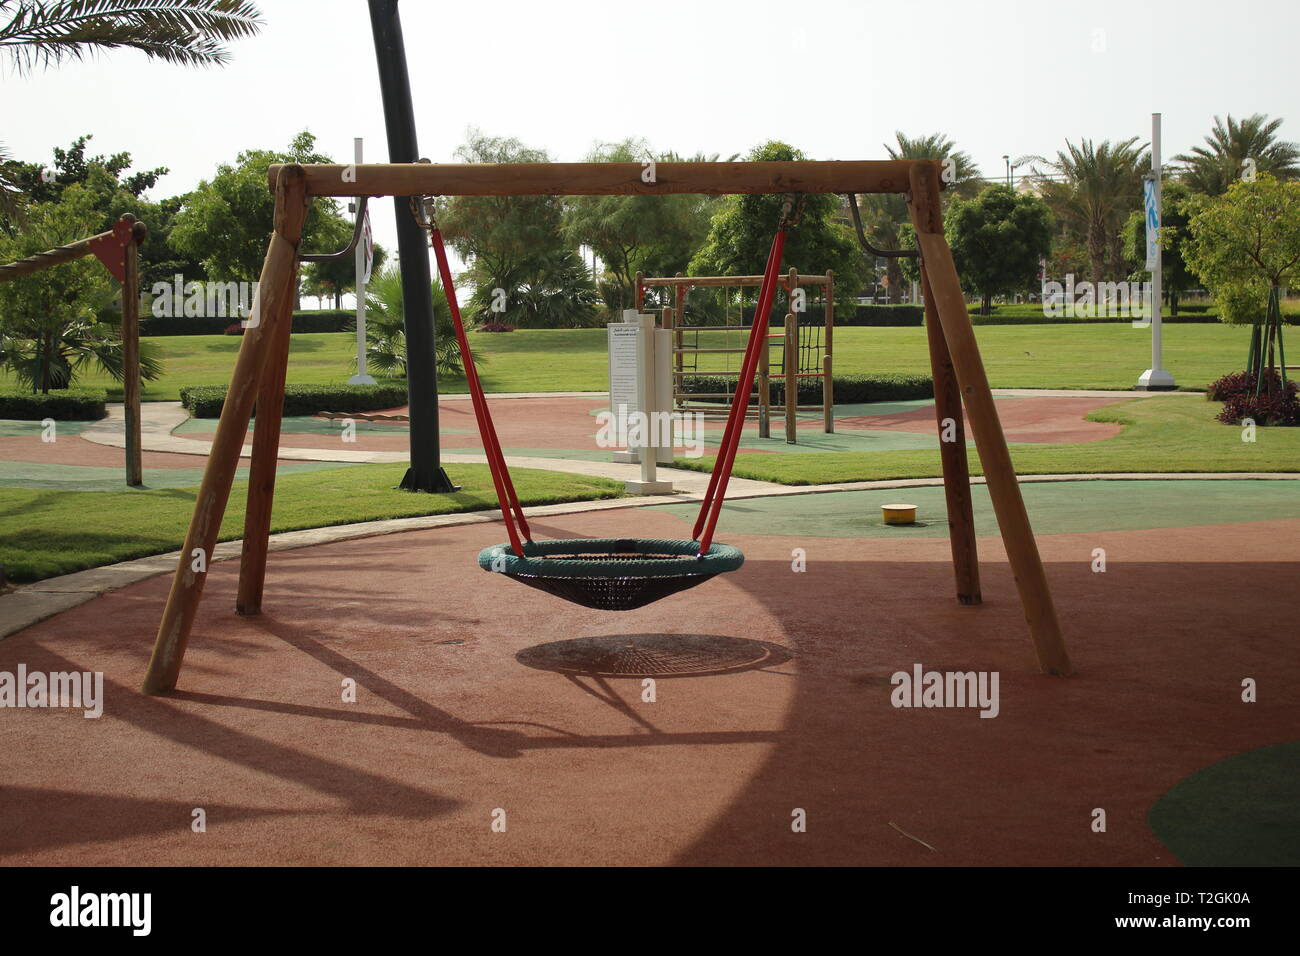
361 378
1156 379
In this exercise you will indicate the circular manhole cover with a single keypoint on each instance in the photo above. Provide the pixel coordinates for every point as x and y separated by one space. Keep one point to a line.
653 655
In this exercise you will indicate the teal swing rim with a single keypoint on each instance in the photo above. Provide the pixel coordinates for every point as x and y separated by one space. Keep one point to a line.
545 559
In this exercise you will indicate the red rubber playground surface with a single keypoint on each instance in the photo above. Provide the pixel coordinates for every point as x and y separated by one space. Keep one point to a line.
464 708
570 423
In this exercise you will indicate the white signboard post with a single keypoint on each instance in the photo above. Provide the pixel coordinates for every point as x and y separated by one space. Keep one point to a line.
639 362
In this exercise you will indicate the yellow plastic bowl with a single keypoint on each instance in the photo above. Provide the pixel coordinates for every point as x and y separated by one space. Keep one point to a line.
898 514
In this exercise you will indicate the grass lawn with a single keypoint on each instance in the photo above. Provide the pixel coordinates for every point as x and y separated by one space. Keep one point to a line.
1016 356
47 533
1173 434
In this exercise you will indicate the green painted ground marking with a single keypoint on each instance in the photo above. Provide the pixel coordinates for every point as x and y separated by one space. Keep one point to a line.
1242 811
43 475
9 428
309 425
1054 507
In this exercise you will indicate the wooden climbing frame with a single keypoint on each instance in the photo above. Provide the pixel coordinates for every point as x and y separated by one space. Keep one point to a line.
792 349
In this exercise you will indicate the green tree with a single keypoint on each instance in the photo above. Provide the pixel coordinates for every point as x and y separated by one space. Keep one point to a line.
55 322
554 291
500 233
517 244
1212 168
639 233
997 240
1245 246
1094 189
1176 278
188 32
335 277
225 222
114 192
740 235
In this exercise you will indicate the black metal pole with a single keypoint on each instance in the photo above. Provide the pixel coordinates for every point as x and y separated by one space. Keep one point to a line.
425 473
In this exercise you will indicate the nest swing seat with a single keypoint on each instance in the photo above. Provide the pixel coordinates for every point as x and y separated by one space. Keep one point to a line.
611 574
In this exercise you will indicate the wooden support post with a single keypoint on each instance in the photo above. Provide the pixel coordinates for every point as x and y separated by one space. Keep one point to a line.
679 313
210 506
952 454
828 382
266 450
131 350
791 377
995 456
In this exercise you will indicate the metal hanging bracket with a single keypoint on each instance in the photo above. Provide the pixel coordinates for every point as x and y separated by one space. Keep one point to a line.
866 244
352 246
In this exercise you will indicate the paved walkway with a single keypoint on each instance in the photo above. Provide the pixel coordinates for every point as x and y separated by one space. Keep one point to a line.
158 419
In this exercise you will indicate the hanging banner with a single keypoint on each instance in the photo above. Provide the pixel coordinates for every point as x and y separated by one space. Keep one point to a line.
368 247
1153 222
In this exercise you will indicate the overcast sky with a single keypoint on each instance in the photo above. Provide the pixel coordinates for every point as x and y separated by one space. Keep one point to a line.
835 78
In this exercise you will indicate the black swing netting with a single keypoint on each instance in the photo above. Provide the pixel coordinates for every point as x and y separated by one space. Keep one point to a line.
611 574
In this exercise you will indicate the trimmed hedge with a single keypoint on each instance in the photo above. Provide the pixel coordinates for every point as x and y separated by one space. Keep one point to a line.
66 405
205 401
328 320
883 316
848 389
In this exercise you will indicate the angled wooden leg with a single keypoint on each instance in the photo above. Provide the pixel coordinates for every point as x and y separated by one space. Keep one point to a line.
261 477
956 468
209 508
995 456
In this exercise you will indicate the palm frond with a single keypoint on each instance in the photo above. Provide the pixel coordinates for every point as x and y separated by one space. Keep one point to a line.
186 32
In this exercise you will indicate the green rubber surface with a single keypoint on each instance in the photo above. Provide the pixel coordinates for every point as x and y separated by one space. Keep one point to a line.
41 475
1242 811
1057 507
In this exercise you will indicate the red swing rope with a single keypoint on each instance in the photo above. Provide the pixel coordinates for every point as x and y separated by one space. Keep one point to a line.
711 506
505 488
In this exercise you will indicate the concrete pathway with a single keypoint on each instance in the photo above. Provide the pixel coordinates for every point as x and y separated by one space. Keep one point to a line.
158 419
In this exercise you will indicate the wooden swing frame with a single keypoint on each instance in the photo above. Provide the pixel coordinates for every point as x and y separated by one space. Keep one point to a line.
260 370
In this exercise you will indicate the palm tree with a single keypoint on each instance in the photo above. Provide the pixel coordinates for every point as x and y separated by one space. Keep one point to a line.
11 196
1094 188
1212 168
188 32
386 330
886 212
44 34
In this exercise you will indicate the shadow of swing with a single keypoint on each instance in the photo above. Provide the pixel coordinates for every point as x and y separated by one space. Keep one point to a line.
653 655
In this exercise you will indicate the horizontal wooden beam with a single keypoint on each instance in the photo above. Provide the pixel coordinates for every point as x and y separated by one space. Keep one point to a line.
605 179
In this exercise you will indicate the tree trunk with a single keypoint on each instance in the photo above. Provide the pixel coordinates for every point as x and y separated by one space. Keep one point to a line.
895 273
1097 251
986 304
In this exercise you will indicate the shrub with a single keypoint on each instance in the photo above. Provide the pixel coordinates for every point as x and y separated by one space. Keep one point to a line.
1274 405
496 327
848 389
236 329
205 401
68 404
329 320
